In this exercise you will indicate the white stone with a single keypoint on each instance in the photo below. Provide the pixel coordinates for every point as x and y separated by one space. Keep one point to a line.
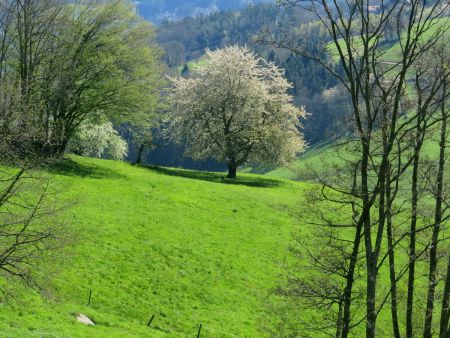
84 320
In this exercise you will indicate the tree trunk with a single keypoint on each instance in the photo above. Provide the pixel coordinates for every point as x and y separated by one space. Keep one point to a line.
350 279
232 170
139 154
412 235
371 265
371 298
392 273
445 310
435 237
438 220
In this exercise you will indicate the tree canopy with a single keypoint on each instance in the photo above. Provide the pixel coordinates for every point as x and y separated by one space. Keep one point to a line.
237 110
71 61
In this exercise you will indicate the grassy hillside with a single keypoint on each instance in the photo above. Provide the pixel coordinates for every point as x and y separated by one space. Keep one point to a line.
313 156
325 153
392 50
188 247
194 64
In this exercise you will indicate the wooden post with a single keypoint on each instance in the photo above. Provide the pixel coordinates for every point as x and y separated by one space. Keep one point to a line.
199 331
150 321
90 296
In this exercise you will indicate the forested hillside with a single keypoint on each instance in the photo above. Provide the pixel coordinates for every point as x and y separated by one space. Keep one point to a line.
160 10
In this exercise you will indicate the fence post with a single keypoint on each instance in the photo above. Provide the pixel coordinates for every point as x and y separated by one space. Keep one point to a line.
90 296
199 331
150 321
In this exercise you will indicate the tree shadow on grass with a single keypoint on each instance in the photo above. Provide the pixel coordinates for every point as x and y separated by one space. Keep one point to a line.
216 177
68 167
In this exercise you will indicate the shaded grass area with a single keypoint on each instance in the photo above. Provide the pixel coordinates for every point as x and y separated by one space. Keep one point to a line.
187 247
250 181
69 167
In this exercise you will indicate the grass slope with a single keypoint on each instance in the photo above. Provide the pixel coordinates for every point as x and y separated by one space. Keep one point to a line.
313 156
325 154
185 246
391 50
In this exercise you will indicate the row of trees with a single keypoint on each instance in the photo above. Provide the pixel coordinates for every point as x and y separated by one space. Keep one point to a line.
380 218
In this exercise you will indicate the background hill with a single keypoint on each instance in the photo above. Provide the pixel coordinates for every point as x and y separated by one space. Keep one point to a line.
158 10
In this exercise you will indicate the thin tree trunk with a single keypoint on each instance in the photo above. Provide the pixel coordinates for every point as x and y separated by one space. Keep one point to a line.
412 238
371 265
435 237
139 154
349 283
445 310
371 294
392 273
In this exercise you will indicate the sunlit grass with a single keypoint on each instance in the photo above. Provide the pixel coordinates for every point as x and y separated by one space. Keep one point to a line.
188 247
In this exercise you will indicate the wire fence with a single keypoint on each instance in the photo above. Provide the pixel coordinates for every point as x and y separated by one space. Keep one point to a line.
198 327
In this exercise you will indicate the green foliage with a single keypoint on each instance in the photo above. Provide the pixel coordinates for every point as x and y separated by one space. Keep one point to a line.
121 61
84 59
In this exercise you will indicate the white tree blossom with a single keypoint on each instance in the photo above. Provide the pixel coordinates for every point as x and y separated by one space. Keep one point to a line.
99 141
237 110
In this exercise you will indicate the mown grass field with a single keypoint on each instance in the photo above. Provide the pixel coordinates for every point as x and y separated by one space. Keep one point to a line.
188 247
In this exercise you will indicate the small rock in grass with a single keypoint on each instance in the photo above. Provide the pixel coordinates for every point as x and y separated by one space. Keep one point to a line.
84 320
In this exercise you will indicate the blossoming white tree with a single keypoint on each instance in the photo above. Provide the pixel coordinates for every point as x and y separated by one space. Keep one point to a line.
236 109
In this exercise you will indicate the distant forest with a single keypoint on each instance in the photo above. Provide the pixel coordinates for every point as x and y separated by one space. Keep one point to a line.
159 10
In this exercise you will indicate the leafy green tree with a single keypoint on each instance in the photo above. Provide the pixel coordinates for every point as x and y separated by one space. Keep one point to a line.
237 110
84 58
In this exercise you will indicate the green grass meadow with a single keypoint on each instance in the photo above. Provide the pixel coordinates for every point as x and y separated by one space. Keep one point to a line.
187 247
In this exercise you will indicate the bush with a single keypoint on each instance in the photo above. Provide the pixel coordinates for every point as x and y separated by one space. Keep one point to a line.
101 141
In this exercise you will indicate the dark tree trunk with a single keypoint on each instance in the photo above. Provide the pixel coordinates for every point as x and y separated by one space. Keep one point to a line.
232 170
427 333
437 226
371 266
412 254
139 154
392 273
445 310
412 234
350 279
